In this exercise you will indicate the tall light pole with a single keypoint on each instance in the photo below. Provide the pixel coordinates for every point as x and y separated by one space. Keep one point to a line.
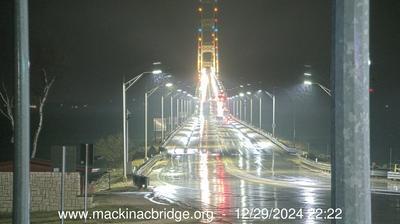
168 85
260 113
190 102
251 111
245 109
125 86
162 118
273 115
234 106
171 119
183 104
251 106
146 96
241 95
350 178
21 188
272 96
237 107
177 111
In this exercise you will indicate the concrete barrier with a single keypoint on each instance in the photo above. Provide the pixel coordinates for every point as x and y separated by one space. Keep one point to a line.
325 167
266 135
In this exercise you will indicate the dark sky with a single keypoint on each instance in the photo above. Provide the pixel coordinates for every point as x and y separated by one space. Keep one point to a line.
91 44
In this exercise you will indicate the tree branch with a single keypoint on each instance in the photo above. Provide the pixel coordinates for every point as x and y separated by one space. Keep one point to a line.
42 101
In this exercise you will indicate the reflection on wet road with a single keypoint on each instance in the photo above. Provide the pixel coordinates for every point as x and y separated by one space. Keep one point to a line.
223 166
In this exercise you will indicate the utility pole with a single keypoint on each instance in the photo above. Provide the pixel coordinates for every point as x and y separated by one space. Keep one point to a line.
21 188
351 124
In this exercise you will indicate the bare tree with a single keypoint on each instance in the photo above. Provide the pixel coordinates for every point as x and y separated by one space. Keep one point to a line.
6 109
42 100
7 106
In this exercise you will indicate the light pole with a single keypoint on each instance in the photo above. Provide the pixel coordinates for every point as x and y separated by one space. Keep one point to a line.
308 82
241 95
125 86
178 108
251 106
260 113
184 106
146 96
162 118
171 114
171 119
272 96
177 111
190 102
234 106
245 110
168 85
237 107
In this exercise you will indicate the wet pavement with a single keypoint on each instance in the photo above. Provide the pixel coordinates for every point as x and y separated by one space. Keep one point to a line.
225 167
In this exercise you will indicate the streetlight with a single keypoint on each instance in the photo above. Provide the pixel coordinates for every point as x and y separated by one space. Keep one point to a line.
325 89
237 97
307 74
125 86
146 96
178 93
308 82
171 119
168 85
272 96
241 95
251 107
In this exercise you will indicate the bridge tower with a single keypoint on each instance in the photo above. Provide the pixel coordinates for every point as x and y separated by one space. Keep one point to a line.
208 57
209 89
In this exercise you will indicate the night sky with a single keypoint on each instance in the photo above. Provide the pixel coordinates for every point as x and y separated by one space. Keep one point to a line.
90 45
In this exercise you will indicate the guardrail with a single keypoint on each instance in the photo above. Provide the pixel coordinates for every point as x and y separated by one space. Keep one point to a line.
393 175
326 167
172 134
379 173
145 169
267 135
140 177
316 165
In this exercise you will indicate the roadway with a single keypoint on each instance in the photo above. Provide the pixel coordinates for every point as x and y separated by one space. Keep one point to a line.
223 166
